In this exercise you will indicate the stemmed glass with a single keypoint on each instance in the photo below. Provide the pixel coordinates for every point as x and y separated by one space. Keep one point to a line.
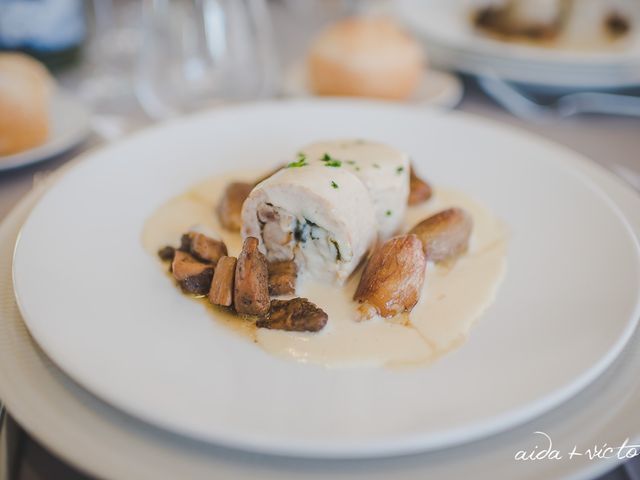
198 53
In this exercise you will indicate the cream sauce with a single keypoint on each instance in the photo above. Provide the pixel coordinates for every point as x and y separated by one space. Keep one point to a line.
453 298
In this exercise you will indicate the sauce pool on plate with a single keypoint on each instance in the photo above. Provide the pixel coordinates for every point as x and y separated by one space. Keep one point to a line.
454 296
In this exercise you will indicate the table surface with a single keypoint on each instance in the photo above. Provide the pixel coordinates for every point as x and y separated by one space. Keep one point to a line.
609 141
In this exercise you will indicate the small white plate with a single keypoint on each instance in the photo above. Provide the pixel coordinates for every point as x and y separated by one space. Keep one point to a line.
454 44
438 88
98 305
70 124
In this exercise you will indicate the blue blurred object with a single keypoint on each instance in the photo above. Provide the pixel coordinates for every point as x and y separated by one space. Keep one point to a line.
51 30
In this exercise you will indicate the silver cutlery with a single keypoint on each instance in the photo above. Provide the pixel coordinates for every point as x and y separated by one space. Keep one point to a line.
521 105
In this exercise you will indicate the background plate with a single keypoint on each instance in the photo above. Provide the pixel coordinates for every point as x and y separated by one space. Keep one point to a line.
438 89
70 124
97 304
453 44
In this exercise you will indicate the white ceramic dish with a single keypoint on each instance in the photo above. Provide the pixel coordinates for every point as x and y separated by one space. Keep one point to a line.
454 44
118 327
108 444
70 125
438 89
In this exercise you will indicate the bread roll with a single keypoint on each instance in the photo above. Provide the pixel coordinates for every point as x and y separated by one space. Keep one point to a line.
368 57
25 90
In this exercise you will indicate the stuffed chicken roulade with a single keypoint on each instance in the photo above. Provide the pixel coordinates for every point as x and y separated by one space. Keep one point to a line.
318 215
383 170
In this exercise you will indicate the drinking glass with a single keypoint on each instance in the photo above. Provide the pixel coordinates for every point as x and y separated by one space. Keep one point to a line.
198 53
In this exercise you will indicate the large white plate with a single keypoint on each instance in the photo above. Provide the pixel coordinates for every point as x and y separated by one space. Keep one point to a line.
453 43
69 122
97 304
101 440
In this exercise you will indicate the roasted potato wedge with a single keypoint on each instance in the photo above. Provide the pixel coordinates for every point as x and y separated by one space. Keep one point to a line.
419 190
229 207
392 279
445 235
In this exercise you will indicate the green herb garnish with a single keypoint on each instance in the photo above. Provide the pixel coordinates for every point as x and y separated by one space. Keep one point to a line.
388 213
301 162
329 161
399 170
334 184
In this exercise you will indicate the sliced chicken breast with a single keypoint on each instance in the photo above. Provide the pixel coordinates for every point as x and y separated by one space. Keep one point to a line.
382 169
320 216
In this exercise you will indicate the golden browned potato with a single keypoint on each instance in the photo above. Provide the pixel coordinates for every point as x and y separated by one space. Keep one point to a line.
221 292
251 290
392 279
445 235
230 205
419 190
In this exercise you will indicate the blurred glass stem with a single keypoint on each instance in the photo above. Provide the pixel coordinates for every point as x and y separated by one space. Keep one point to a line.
198 53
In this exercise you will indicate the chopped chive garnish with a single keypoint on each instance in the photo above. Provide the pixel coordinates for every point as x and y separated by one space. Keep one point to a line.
399 170
388 213
329 161
334 184
301 162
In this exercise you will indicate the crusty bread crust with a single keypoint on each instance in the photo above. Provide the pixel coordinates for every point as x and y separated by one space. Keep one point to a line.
25 91
368 57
